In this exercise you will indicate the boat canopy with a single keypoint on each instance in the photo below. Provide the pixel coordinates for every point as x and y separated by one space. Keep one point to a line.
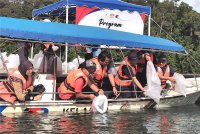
69 33
60 6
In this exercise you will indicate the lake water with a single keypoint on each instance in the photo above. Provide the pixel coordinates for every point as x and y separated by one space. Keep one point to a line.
177 120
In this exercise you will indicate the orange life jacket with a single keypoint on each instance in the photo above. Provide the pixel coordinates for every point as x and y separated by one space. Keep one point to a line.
5 94
165 74
99 73
6 87
123 80
25 83
68 86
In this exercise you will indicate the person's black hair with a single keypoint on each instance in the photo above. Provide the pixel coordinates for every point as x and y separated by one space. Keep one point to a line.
23 67
103 55
132 55
88 56
162 58
90 69
140 53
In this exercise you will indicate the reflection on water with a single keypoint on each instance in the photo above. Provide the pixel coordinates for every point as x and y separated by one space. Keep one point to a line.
169 121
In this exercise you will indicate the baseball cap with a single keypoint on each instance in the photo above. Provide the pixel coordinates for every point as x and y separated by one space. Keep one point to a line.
90 66
89 63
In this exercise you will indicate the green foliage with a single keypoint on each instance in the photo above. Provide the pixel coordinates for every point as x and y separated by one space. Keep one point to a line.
180 22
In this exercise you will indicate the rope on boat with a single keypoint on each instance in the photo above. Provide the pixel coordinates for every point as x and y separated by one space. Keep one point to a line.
187 53
193 74
116 71
129 73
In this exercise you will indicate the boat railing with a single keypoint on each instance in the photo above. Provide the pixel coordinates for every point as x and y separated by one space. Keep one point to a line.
191 75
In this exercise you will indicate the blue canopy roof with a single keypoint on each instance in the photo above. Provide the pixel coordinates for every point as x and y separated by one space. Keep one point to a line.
62 33
111 4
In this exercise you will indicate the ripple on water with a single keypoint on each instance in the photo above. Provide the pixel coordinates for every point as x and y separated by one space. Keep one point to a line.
177 120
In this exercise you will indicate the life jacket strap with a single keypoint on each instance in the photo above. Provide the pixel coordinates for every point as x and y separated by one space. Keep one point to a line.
121 78
98 82
9 87
67 85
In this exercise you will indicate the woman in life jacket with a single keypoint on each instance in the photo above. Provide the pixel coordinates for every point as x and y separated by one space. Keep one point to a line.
19 84
126 76
76 80
165 72
143 57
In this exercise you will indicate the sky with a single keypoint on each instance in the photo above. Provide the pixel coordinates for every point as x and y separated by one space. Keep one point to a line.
195 4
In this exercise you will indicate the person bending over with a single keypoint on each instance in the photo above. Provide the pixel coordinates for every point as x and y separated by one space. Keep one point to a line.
76 80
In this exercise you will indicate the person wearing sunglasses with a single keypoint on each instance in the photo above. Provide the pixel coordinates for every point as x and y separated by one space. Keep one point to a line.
165 72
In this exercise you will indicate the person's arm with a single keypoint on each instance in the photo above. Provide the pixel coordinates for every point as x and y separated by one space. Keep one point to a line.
94 87
18 88
78 90
161 77
112 82
172 79
137 83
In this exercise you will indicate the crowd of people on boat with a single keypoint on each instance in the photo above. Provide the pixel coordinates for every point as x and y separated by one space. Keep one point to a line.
128 82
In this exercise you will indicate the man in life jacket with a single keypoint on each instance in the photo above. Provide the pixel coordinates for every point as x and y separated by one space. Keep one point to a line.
165 72
103 63
19 84
76 80
126 76
143 57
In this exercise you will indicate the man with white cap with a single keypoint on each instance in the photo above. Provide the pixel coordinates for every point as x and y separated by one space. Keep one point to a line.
76 80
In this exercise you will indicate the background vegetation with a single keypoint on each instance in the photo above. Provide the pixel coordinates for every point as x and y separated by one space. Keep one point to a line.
178 23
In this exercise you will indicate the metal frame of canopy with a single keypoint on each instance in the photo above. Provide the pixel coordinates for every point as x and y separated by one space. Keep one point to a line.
55 32
112 4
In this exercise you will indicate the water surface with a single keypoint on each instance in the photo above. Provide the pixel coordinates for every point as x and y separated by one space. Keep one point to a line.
179 120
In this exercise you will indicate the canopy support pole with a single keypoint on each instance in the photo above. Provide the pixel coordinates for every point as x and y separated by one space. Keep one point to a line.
149 25
66 47
134 86
32 45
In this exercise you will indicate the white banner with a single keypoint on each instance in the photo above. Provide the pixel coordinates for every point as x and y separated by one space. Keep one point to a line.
115 20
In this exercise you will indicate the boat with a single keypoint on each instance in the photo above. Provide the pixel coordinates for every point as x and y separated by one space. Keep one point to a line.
41 32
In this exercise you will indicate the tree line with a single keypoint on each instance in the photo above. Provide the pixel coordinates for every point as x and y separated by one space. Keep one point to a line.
178 23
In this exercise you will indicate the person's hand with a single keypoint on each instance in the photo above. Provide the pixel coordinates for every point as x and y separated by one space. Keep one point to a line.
143 90
115 91
91 96
172 79
100 92
38 97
